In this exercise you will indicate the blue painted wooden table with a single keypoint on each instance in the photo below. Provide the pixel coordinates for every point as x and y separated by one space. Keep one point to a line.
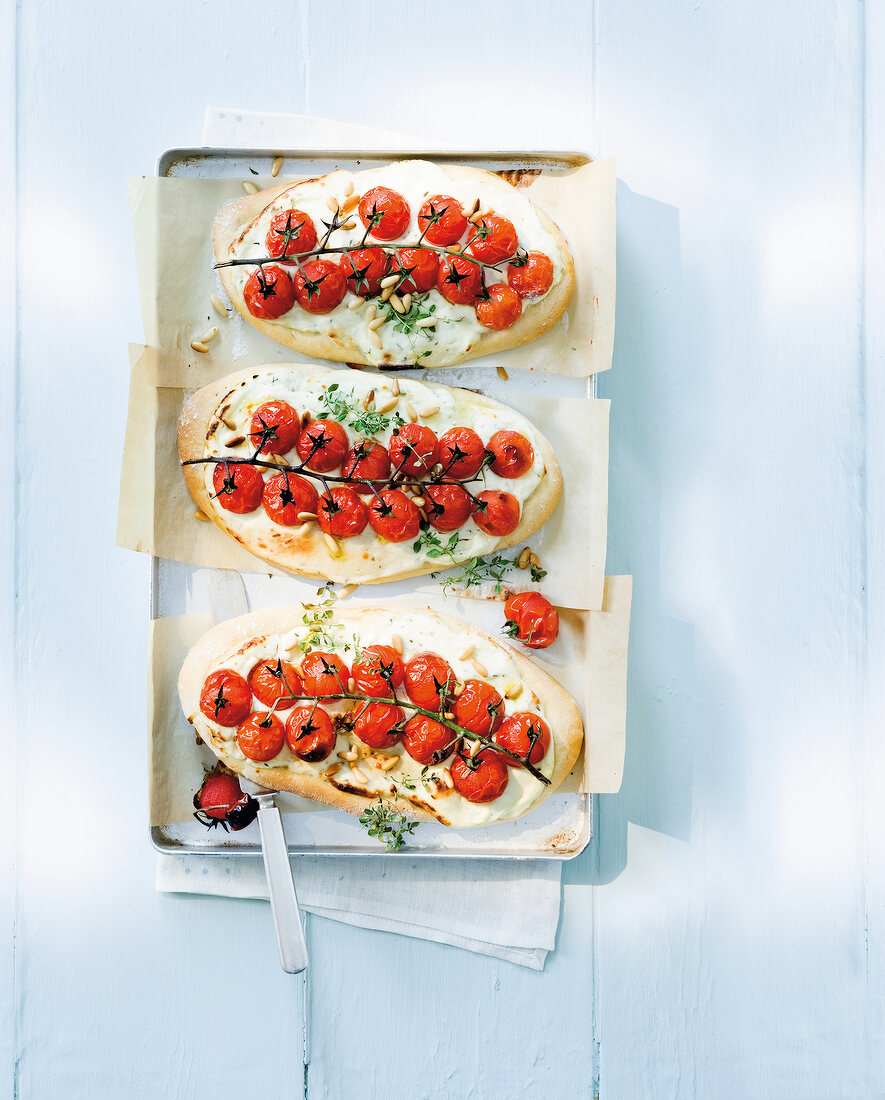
722 937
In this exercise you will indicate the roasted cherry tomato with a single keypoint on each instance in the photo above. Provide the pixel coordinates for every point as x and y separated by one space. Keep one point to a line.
261 736
531 620
275 428
441 220
533 278
448 507
364 268
394 517
426 740
460 453
319 286
429 681
286 496
238 487
498 307
513 453
497 513
272 681
519 731
226 698
379 671
413 449
384 213
322 446
419 268
379 725
269 292
366 459
310 733
478 708
219 801
459 281
482 778
341 513
291 232
494 239
324 674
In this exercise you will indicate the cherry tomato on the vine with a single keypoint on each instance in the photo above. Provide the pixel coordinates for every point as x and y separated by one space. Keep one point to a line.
413 449
269 292
272 681
364 268
324 674
497 513
385 213
520 730
322 446
498 307
291 232
429 681
238 487
286 496
419 268
459 281
379 671
394 517
460 453
319 286
310 733
275 428
341 513
533 278
482 778
479 708
366 459
379 725
448 507
494 239
531 620
226 698
426 740
261 736
513 453
441 220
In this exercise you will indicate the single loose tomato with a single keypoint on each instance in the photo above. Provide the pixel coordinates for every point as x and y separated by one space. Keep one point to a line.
447 507
261 736
493 240
460 453
479 708
226 698
384 213
238 487
322 446
429 681
413 449
459 281
379 671
320 286
273 681
441 220
364 268
310 733
428 741
533 278
291 232
379 724
497 513
531 620
269 292
498 307
341 513
482 778
275 428
286 496
513 453
394 517
220 801
418 267
324 674
367 460
521 732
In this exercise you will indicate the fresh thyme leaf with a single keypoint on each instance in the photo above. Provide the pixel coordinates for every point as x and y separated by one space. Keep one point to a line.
391 828
252 170
479 570
345 407
432 546
419 311
537 574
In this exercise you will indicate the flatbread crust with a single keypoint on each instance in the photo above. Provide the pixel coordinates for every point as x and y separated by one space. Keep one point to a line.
560 710
302 550
235 217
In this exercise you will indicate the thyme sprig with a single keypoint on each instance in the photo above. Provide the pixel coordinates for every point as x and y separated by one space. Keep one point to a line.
382 820
433 546
346 408
477 571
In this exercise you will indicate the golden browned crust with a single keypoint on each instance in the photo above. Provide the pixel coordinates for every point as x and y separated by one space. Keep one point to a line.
236 216
561 711
302 550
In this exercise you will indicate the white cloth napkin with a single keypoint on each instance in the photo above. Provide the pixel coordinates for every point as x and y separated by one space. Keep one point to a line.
504 908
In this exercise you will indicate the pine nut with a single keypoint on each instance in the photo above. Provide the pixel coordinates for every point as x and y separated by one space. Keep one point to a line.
390 763
454 248
197 346
513 691
407 302
410 412
397 643
219 306
227 423
332 204
426 322
349 225
333 769
480 667
201 516
397 303
368 399
306 517
236 441
449 715
348 187
446 777
419 502
474 749
357 303
348 590
276 166
523 559
394 388
475 217
331 544
387 405
375 324
386 293
359 775
209 335
431 410
349 203
468 652
371 310
389 280
249 187
375 339
474 209
458 688
502 374
535 560
351 754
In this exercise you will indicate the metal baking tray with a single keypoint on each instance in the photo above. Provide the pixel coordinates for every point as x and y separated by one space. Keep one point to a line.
561 827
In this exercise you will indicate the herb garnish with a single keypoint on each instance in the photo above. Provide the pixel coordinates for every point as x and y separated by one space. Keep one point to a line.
384 822
343 407
433 546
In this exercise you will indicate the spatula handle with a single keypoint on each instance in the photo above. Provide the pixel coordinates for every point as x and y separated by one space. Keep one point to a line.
283 902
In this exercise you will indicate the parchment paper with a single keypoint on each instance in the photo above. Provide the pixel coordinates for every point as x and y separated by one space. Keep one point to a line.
589 658
158 516
172 221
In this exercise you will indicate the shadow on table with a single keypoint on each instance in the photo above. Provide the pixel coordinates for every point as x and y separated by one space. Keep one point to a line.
675 688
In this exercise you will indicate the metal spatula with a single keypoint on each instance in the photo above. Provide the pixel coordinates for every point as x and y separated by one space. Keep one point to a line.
227 599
